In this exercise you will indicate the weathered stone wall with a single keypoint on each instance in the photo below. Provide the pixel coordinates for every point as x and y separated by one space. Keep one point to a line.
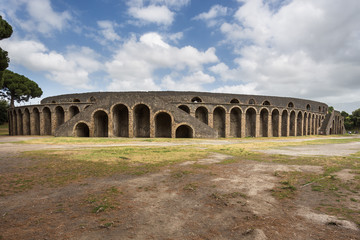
173 114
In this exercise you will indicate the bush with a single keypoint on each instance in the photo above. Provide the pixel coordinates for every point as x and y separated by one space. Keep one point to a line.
4 106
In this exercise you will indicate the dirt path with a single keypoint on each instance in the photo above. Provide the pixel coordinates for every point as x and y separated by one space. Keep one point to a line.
192 200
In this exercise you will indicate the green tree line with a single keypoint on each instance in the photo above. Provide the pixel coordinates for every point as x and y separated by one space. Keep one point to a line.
352 121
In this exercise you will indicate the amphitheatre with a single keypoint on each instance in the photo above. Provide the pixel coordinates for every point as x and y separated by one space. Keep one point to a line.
172 114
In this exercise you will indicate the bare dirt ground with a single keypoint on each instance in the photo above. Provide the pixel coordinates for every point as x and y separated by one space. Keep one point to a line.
191 200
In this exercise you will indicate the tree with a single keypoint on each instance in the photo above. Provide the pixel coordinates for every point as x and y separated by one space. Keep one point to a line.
355 117
5 32
4 106
330 109
18 88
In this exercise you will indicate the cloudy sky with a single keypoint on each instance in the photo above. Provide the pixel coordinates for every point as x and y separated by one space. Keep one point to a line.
297 48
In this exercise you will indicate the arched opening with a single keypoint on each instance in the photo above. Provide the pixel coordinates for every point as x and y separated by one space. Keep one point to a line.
234 100
308 107
292 123
47 121
309 125
36 121
299 124
266 103
59 116
82 130
92 99
101 123
27 127
304 124
251 101
313 125
76 100
317 125
284 123
219 121
319 108
20 124
290 105
185 108
264 118
250 126
10 120
120 121
15 128
141 121
275 122
235 122
196 100
163 125
53 101
184 131
73 110
201 113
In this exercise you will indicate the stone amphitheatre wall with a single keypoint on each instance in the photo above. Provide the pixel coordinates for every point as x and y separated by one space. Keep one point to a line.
173 114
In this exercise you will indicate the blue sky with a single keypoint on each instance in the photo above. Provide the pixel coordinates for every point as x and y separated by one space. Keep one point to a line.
295 48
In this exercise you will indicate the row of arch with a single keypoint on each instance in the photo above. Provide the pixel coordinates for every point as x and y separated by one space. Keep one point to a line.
28 122
141 124
234 123
264 103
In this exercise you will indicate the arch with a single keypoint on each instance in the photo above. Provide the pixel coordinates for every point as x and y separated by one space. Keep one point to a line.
47 120
235 122
86 106
36 121
319 108
101 122
264 117
15 129
313 125
82 130
309 124
252 101
250 125
59 116
141 121
76 100
120 115
234 100
299 124
53 101
284 123
20 124
185 108
275 115
290 104
27 127
92 99
73 110
292 123
196 100
308 107
266 103
317 125
163 125
184 131
201 113
219 121
304 124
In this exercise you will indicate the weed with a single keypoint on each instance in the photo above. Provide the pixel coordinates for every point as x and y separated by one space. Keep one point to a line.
191 187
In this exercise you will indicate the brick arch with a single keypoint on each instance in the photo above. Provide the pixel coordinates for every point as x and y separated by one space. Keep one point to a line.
292 123
73 110
20 122
219 120
81 129
250 124
299 121
202 113
100 120
59 116
141 120
235 121
275 118
184 130
120 119
185 108
36 121
284 123
47 120
264 120
163 124
27 122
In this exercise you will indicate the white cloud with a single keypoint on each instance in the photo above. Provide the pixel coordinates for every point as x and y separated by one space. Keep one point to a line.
41 16
193 82
134 64
107 31
71 69
160 15
306 48
173 4
211 16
